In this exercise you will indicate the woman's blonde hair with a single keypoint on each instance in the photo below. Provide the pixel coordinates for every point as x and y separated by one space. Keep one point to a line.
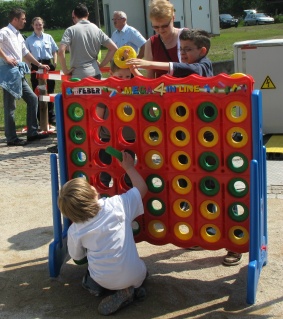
161 9
77 200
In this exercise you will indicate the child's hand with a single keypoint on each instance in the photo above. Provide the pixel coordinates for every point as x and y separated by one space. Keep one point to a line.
127 162
138 63
125 55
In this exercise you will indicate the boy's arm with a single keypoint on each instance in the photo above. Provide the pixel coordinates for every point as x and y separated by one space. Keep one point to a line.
136 178
144 64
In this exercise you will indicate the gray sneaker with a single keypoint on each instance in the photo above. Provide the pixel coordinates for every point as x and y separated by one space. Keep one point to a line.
93 287
121 298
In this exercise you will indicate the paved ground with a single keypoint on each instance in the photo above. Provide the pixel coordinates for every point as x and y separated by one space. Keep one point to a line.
182 283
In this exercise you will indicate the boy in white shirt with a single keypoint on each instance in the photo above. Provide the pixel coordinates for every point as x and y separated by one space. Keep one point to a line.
101 232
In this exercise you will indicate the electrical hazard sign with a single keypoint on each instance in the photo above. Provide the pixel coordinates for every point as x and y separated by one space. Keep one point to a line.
268 84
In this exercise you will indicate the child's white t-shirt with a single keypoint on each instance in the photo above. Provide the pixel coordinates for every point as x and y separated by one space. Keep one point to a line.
107 240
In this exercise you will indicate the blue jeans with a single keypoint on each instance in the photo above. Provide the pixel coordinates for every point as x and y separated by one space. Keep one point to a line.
9 112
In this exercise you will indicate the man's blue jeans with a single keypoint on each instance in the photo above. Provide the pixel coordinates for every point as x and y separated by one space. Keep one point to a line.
9 112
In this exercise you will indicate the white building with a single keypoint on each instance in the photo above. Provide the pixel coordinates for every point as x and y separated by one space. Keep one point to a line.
198 14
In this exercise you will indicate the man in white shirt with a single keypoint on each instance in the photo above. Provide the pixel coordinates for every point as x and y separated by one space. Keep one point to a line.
127 35
13 70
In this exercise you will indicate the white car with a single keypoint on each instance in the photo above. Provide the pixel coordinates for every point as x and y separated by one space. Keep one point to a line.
258 18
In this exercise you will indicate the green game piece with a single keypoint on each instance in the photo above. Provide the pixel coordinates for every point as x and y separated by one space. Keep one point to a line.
112 151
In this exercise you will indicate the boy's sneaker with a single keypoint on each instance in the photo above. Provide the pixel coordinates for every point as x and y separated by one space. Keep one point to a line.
93 287
121 298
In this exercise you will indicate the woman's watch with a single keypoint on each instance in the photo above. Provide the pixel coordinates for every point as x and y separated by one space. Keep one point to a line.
40 65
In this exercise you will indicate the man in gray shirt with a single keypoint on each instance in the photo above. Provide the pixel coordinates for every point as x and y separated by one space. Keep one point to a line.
84 40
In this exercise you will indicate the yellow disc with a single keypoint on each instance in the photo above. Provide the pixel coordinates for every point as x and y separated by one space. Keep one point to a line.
238 240
152 140
154 159
157 229
122 55
237 75
122 114
208 136
210 238
181 184
233 143
182 212
181 140
176 115
175 160
236 112
183 231
207 207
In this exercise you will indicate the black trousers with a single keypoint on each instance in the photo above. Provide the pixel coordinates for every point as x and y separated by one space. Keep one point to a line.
50 89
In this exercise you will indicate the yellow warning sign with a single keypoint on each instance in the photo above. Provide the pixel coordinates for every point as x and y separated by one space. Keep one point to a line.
268 84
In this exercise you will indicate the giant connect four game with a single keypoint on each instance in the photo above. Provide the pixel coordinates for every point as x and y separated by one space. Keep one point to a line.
196 141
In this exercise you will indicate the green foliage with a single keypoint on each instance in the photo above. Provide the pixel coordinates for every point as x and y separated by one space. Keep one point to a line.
56 13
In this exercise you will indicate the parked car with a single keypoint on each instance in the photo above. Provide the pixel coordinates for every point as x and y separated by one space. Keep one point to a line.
248 11
227 21
258 18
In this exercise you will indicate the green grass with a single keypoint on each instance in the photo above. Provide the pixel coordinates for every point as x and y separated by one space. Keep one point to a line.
221 50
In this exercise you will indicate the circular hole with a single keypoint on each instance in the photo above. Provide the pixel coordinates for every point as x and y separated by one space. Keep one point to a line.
156 159
128 110
208 136
211 231
76 112
182 183
210 161
237 161
238 233
158 227
151 111
126 182
153 136
238 210
184 229
127 135
103 157
239 186
236 111
237 136
181 110
209 111
185 206
155 183
211 208
101 112
104 180
209 184
180 135
156 206
102 134
183 159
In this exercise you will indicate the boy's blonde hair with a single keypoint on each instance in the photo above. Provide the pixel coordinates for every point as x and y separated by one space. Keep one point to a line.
77 200
161 9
